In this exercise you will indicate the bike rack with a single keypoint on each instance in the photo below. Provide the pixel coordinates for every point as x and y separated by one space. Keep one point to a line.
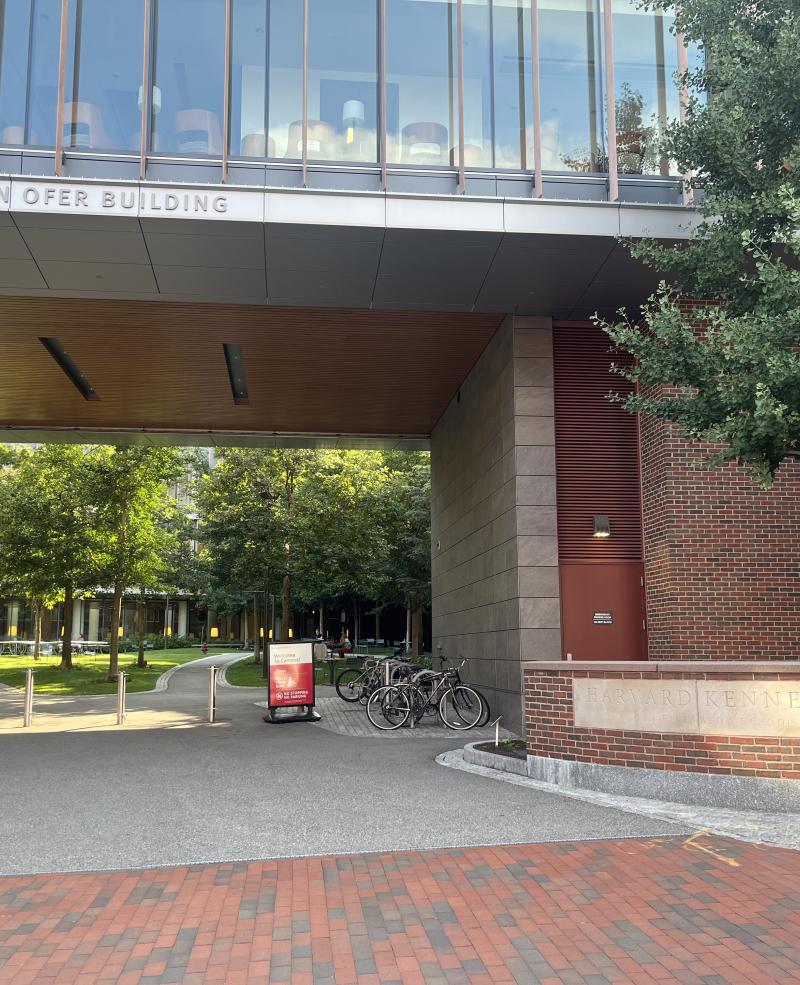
496 724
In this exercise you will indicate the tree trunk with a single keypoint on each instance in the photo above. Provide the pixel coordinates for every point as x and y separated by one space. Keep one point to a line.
285 599
140 661
66 636
357 628
116 611
256 634
416 630
37 630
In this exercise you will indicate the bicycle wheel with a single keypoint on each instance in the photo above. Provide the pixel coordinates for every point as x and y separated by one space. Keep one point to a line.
350 684
388 708
487 714
461 708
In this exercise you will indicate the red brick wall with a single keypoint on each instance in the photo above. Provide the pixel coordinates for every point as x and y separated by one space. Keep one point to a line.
550 731
722 556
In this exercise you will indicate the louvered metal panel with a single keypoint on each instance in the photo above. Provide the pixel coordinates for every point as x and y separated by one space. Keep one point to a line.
597 450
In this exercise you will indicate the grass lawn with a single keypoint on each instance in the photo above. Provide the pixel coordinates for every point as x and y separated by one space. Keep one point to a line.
90 671
247 674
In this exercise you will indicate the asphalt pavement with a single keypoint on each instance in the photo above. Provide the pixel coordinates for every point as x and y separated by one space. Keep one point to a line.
184 791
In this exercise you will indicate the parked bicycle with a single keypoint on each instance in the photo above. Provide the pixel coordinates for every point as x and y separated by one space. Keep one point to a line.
459 706
357 683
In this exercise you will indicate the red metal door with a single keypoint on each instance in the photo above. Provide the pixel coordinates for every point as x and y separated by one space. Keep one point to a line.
602 611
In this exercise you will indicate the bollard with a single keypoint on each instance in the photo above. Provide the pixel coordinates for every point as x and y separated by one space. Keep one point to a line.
212 693
27 708
121 688
387 672
496 724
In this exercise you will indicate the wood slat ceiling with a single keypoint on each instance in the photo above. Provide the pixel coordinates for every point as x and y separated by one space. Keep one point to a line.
161 365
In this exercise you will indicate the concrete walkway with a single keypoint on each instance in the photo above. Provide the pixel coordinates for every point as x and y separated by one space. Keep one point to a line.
179 700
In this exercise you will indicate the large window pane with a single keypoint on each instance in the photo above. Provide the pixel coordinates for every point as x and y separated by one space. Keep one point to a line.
45 30
645 62
343 80
249 79
477 84
286 78
513 111
15 24
189 64
573 119
102 101
421 82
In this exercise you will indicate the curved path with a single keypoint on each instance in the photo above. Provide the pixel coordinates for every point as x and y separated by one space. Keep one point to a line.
179 700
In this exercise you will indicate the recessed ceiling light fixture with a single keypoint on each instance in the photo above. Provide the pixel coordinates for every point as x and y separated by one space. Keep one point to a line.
73 374
235 363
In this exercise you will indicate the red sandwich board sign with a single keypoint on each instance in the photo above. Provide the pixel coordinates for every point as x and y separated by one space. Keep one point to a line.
290 682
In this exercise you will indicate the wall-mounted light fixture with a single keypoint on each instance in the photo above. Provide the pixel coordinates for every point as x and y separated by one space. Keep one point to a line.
602 528
214 632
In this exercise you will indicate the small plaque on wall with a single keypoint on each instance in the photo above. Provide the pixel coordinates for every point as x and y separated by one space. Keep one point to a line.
603 618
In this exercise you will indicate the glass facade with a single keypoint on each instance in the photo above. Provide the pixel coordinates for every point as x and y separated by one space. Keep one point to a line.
29 57
442 84
102 94
646 97
573 93
421 73
188 77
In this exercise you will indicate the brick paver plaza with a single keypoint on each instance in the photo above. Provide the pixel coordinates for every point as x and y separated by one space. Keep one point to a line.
701 910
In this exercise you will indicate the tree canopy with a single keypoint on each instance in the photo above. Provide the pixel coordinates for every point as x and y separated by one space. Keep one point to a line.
728 370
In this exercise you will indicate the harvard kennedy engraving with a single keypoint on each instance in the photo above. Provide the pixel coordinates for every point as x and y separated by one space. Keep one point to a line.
709 707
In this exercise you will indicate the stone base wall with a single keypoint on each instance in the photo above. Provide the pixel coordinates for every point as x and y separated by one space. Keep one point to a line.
676 699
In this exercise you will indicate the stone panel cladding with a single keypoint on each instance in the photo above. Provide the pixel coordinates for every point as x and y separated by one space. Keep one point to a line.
722 555
493 516
550 730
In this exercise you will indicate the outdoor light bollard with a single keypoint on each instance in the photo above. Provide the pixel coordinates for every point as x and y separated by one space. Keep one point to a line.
27 708
212 693
121 686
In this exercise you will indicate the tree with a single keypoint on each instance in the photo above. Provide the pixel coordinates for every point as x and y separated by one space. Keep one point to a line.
407 521
727 371
48 532
134 512
245 505
341 545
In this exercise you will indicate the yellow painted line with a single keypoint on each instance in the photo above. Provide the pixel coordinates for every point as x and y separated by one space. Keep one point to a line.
692 842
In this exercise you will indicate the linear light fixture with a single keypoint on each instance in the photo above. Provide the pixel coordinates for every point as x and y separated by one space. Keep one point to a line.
74 375
235 363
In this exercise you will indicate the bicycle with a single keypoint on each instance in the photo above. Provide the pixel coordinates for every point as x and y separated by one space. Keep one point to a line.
459 706
356 684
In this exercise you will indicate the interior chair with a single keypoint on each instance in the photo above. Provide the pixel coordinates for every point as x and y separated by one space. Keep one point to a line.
83 127
424 143
321 140
197 131
257 145
13 135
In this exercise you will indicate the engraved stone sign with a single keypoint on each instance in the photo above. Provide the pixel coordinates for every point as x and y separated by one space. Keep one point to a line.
749 707
645 706
700 707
